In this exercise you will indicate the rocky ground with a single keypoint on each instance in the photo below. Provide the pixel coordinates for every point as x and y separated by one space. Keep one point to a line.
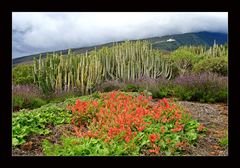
215 118
212 116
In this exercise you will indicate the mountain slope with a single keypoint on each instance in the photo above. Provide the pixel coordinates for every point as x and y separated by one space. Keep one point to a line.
168 43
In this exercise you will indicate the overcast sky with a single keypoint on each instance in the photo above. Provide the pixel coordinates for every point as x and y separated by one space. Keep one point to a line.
35 32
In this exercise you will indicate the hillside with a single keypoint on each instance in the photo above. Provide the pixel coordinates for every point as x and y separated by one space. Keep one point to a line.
167 43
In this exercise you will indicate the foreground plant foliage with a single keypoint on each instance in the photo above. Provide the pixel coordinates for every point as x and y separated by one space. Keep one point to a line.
122 124
35 122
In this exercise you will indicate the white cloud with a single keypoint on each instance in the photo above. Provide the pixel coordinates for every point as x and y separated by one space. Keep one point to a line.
46 31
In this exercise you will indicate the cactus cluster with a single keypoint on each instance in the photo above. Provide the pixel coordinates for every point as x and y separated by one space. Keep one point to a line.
217 50
82 72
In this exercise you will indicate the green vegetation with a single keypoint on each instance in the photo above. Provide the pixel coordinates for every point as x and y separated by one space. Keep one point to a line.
29 103
204 87
184 59
224 140
27 96
217 65
79 90
129 61
164 133
126 61
28 122
22 75
25 123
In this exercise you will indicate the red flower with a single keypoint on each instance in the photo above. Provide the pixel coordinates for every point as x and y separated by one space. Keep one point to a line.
156 150
119 114
95 104
152 137
165 101
177 129
178 115
127 139
140 97
73 110
78 102
141 128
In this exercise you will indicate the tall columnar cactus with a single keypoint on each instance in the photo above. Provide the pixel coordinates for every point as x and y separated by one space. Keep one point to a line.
125 61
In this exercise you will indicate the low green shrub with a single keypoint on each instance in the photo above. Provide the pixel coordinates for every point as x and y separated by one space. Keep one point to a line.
132 88
224 141
27 103
25 123
17 103
22 75
109 86
77 147
217 65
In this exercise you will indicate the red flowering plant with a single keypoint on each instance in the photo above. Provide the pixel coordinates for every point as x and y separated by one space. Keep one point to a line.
135 125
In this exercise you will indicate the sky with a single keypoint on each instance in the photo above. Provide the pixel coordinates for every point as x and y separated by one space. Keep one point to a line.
36 32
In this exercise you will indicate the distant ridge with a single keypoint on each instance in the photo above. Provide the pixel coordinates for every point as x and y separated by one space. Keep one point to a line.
167 43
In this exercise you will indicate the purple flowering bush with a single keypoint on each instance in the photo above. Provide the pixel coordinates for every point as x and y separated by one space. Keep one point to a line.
204 87
26 96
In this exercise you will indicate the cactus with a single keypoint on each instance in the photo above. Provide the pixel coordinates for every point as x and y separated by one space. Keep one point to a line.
125 61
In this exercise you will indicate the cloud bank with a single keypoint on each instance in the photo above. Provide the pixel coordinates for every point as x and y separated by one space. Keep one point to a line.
35 32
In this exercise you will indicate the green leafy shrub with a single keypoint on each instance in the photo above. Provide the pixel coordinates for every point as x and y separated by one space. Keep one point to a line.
132 88
22 75
109 86
17 103
25 122
29 103
61 96
77 147
161 91
183 59
217 65
35 103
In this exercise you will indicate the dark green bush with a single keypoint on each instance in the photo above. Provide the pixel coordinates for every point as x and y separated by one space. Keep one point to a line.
17 103
132 88
27 103
161 91
35 103
60 97
109 86
217 65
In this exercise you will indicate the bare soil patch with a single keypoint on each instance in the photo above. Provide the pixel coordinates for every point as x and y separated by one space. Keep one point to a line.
215 118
